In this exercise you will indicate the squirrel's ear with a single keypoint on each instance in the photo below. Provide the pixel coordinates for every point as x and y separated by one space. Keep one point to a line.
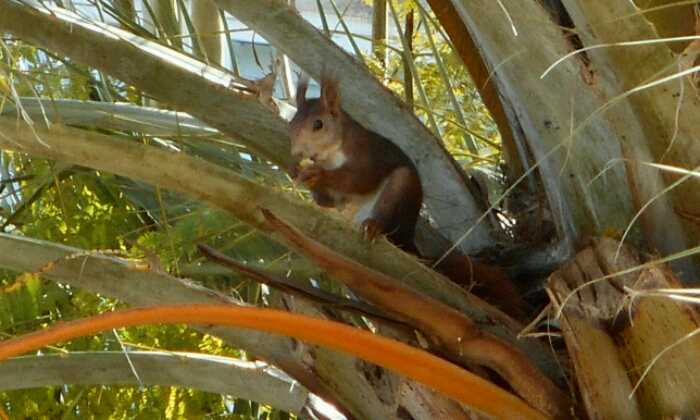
330 96
300 96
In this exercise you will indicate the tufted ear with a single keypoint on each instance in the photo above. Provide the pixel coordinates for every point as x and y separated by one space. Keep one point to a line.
300 96
330 96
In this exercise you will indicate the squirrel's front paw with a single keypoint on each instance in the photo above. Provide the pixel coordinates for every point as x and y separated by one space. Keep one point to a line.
310 176
371 228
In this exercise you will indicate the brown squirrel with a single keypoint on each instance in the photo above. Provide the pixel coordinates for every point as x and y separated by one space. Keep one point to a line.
373 182
354 169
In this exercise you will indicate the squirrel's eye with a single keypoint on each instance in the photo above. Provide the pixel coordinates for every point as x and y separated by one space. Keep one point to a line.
318 124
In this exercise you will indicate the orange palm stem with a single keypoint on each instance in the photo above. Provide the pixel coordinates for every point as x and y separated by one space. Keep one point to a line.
414 363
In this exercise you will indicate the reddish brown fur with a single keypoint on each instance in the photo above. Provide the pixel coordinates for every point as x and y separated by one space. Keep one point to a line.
487 281
373 161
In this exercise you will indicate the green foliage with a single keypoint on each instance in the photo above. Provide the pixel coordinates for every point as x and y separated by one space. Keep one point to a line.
88 210
19 304
100 212
479 127
112 402
80 209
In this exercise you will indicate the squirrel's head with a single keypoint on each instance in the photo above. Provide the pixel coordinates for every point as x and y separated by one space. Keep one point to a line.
316 129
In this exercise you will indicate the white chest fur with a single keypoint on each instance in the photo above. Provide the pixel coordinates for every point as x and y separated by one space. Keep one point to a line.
334 159
355 207
359 208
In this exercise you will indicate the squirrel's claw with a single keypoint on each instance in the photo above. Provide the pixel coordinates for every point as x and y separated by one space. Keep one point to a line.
371 229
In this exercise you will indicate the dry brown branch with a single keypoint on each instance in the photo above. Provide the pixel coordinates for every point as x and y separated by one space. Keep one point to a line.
448 330
295 288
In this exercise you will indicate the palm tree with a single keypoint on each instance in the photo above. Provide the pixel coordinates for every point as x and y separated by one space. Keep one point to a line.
594 104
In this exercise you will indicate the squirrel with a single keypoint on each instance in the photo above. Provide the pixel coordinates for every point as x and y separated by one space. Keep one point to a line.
374 183
359 172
